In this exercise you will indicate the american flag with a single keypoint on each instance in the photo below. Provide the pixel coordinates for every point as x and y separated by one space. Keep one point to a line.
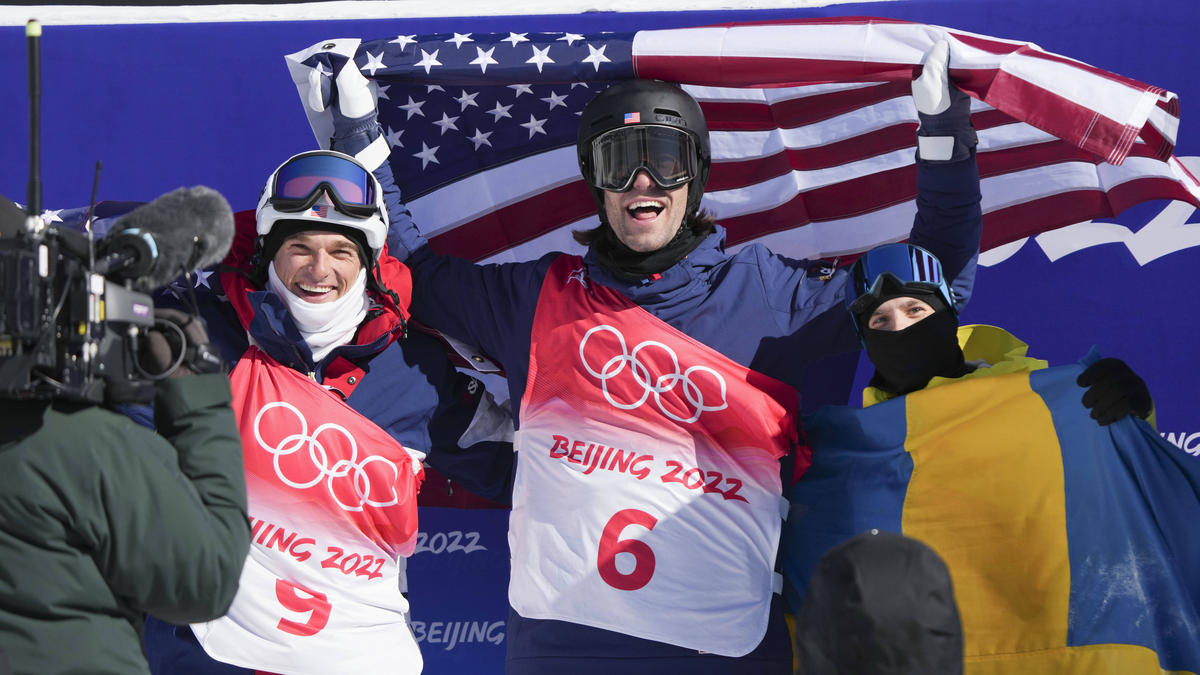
812 129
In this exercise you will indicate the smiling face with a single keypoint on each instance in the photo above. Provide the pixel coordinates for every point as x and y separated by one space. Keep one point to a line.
318 266
898 314
645 217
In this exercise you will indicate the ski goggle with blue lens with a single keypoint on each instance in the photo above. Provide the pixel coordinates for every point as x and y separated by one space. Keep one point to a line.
894 266
300 183
667 154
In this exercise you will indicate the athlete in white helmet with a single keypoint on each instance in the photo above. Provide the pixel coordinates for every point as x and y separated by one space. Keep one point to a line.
338 406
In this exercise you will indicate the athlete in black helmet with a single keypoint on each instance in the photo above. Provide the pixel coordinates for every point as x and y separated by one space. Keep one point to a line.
643 151
655 381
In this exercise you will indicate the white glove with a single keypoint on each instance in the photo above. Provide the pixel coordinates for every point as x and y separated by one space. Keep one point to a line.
943 109
349 92
931 91
354 98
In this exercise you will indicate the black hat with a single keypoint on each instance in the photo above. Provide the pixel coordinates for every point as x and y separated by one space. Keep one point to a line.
284 229
881 603
649 102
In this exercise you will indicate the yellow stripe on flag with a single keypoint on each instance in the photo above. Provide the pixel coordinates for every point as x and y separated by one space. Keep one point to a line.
1081 660
987 494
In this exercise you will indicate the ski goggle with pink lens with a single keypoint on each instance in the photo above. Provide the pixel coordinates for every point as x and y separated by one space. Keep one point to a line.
300 183
667 154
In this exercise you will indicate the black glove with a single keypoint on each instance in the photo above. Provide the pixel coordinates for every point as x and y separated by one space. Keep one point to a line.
1114 391
176 346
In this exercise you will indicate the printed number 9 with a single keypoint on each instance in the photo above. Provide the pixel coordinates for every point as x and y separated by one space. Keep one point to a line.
611 545
302 602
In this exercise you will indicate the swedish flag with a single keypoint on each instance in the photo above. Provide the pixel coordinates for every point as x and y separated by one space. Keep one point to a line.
1073 548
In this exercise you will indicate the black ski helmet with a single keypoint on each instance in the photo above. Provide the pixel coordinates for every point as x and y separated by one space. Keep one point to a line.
653 102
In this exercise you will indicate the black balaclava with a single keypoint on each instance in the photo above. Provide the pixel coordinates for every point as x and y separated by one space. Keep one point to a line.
906 360
631 266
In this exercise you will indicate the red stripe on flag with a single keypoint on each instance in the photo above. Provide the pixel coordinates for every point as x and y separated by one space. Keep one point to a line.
770 72
790 113
1061 117
831 202
727 175
1033 217
517 223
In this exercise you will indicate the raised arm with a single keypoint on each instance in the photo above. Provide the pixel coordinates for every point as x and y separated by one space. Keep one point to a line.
484 305
949 220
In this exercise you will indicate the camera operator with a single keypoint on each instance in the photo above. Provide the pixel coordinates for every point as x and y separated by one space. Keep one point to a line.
103 520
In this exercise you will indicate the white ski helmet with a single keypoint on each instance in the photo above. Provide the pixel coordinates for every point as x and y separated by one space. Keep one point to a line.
327 188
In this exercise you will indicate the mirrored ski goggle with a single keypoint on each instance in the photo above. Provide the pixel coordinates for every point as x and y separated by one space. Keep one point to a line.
300 183
884 269
666 153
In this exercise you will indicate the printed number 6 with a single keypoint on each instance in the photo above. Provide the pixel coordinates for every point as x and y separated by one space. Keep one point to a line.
310 601
611 545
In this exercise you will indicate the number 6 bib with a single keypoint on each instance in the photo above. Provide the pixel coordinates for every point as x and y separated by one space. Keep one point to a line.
647 497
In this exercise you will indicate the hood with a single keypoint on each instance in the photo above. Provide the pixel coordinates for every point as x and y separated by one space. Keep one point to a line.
880 603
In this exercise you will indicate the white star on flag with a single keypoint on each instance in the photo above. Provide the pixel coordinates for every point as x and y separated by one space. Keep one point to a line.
484 59
412 108
428 61
393 138
596 56
499 111
534 125
480 138
459 39
446 123
202 277
427 155
555 100
374 63
404 41
467 100
540 58
514 38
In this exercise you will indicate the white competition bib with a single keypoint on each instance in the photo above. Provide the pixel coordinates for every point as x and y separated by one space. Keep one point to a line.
647 497
333 512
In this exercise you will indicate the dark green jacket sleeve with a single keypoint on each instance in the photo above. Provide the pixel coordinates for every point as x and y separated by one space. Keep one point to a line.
186 534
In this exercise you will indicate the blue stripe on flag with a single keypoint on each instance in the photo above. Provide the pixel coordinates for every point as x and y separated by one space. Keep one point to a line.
1132 506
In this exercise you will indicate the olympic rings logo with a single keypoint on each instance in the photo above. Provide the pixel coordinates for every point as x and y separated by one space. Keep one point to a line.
360 480
656 385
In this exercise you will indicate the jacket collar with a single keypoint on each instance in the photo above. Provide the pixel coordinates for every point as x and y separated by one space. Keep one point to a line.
652 290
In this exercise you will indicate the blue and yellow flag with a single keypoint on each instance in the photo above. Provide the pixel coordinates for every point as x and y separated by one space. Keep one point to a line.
1073 548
